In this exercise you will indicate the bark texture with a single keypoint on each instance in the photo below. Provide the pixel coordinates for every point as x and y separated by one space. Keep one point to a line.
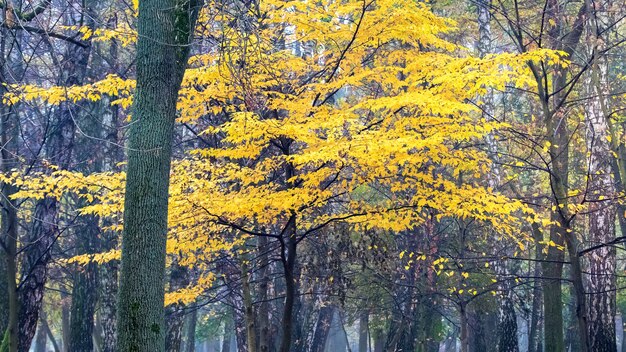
164 28
507 326
600 282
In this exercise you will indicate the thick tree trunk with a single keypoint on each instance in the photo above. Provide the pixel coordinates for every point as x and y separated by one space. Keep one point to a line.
601 282
165 28
112 154
108 272
553 266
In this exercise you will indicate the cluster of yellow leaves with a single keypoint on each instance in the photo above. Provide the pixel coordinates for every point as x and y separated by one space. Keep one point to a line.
112 86
125 35
189 294
99 258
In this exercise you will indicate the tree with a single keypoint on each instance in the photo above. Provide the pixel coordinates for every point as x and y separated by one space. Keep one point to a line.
601 282
165 30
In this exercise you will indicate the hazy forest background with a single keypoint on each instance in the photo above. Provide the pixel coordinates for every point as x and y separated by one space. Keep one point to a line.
312 175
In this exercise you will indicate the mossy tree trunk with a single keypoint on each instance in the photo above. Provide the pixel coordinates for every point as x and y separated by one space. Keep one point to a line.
165 28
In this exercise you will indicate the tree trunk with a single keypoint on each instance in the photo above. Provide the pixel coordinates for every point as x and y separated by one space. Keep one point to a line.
535 314
190 343
165 28
601 280
553 266
428 321
65 321
40 340
263 316
84 293
379 340
108 272
464 328
251 337
507 326
624 337
174 314
479 330
336 340
322 327
12 69
108 309
558 136
9 227
112 154
288 259
35 271
44 324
